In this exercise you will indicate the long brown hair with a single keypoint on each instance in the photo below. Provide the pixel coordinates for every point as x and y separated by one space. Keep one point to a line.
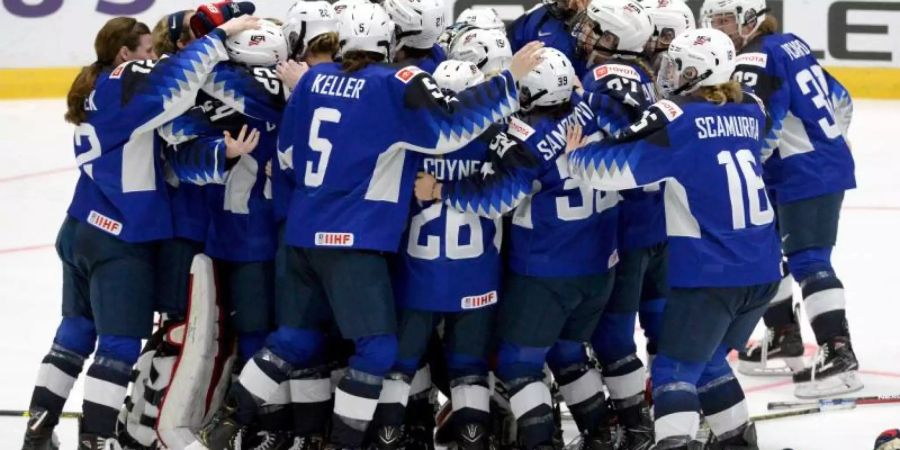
769 25
325 44
357 59
729 92
115 34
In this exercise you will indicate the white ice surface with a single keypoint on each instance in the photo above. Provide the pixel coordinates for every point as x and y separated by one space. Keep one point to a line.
37 175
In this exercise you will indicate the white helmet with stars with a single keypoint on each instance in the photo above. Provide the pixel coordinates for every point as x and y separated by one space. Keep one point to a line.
307 20
419 22
456 75
550 83
745 12
481 17
489 50
265 46
701 57
623 23
366 27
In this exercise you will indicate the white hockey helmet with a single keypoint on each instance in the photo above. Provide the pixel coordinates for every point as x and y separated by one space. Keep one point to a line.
456 75
341 5
265 46
366 27
307 20
616 27
670 18
481 17
489 50
745 12
701 57
419 22
550 83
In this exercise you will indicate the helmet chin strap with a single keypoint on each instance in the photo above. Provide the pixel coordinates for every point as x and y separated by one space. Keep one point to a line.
689 86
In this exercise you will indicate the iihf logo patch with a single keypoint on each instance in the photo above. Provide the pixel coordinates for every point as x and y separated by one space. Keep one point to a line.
257 39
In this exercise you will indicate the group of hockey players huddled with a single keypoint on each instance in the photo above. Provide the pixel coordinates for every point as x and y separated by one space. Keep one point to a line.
315 207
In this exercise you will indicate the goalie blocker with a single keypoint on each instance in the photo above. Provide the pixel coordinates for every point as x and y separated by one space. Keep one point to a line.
182 374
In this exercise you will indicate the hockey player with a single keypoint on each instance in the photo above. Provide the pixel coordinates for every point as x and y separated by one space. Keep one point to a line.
119 211
419 23
670 18
551 22
705 142
561 257
350 181
613 34
442 247
808 173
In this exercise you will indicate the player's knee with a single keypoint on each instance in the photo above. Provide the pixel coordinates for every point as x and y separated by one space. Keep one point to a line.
667 370
250 343
126 349
76 334
809 262
717 367
614 337
375 355
566 353
461 365
515 361
299 347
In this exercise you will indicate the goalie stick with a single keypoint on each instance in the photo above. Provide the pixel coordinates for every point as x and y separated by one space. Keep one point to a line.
830 402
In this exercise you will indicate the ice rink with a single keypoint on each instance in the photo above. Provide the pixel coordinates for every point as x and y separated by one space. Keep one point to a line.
37 176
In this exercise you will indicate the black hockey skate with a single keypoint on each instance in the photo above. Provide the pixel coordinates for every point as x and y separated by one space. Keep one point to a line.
223 432
418 437
88 441
268 440
783 344
307 443
638 437
38 436
742 439
473 436
388 437
833 372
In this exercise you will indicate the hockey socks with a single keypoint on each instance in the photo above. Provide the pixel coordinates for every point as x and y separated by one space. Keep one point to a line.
106 384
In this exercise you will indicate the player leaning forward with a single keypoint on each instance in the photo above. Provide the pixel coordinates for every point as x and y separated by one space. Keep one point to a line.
705 143
806 176
119 213
349 210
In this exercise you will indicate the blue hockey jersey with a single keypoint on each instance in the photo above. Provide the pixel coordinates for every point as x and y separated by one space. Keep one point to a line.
719 219
811 156
450 260
242 226
351 137
561 227
121 188
619 91
538 24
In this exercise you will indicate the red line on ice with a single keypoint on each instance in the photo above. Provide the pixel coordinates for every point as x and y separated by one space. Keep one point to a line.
29 248
42 173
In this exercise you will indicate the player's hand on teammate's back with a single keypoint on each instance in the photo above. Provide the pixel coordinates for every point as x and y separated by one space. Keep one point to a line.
244 144
574 138
239 24
290 72
424 188
526 59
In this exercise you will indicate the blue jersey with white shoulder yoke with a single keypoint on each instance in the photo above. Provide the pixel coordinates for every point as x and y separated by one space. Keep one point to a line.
242 226
539 25
121 188
811 156
719 219
561 227
450 260
619 91
352 137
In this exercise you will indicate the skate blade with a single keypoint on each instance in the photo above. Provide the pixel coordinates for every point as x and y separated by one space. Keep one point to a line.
839 384
759 369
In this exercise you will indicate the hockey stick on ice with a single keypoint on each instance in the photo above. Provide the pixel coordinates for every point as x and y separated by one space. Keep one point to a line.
832 402
21 413
802 412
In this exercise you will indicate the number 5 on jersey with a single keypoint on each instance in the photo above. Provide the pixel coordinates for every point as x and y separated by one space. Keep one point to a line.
315 175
